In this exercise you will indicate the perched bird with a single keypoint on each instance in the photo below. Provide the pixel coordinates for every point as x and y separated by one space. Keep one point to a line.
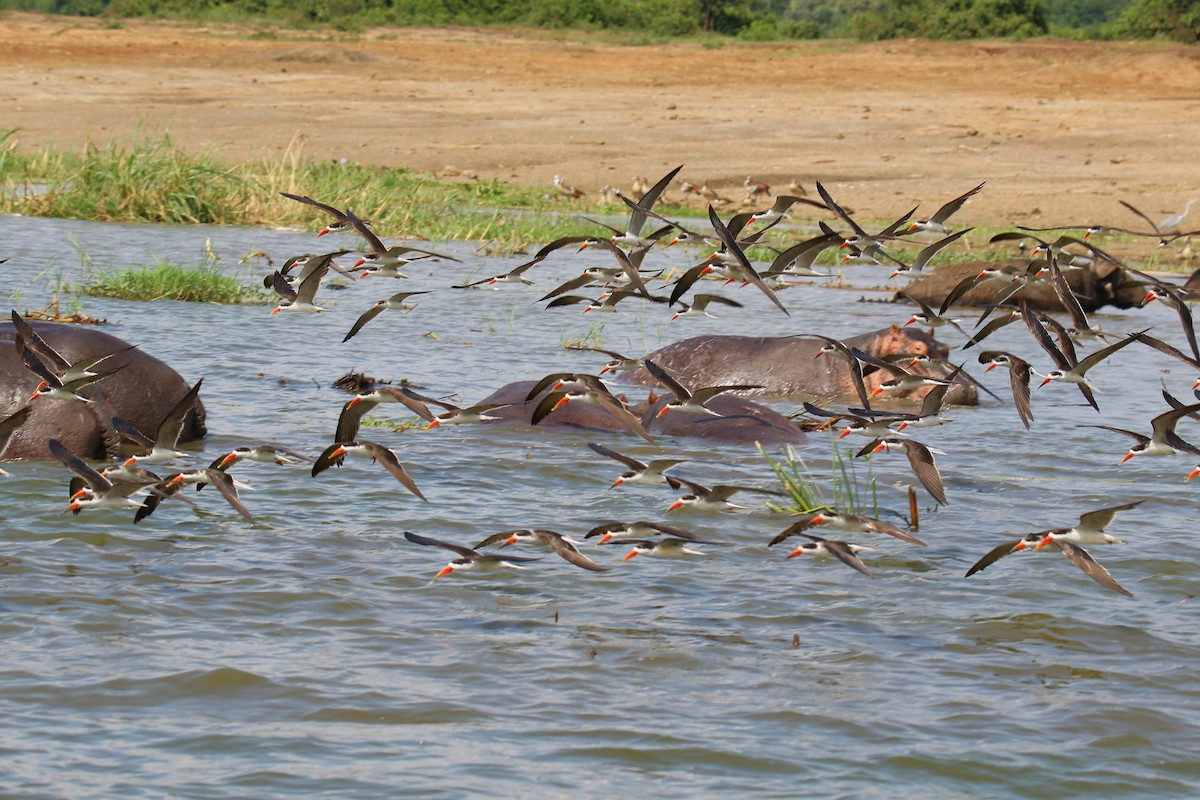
565 189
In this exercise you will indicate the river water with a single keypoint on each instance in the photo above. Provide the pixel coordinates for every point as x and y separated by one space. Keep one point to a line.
309 654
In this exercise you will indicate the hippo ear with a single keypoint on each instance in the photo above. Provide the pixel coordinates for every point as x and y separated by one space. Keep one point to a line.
895 329
653 398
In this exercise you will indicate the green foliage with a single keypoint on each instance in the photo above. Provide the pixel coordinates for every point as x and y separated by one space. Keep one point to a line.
847 492
1086 16
1177 20
154 180
201 283
955 19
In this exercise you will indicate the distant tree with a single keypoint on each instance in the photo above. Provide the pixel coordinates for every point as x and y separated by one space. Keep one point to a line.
949 19
1178 20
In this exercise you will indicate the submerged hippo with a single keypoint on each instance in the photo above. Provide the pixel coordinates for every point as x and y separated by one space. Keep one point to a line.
787 367
141 393
1099 284
742 421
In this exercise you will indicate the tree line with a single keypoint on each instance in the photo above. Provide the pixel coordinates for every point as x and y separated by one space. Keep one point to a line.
762 20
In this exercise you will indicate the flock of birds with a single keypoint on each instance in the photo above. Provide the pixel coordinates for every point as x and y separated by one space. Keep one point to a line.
297 282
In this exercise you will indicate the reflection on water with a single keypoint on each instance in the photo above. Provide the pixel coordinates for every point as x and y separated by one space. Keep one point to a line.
200 656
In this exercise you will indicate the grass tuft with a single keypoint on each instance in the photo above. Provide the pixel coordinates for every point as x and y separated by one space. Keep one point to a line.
198 283
847 492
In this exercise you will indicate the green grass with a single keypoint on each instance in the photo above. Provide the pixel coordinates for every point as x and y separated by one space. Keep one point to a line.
152 179
847 491
197 283
194 284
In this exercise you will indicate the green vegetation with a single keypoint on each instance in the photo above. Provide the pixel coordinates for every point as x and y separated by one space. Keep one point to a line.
950 19
154 180
848 493
1178 20
198 283
644 21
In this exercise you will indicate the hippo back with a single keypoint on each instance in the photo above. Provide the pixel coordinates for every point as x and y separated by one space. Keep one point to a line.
788 367
141 392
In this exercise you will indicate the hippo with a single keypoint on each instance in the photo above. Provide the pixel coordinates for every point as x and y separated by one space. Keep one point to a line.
1099 284
141 393
742 422
787 367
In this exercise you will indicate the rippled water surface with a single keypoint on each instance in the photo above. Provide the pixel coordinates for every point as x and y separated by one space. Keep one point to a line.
196 655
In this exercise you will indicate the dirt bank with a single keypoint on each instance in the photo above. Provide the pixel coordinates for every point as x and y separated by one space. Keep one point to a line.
1059 130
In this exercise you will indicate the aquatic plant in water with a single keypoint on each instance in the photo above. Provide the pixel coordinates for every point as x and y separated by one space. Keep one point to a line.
847 492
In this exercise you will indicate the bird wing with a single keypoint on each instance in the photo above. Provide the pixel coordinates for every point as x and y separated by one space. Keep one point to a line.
1095 358
98 483
282 287
992 556
1092 568
368 315
171 428
1099 519
647 201
845 554
465 552
835 208
225 485
10 424
921 461
374 243
413 404
944 213
327 459
571 554
308 287
388 460
52 358
132 434
748 271
661 375
628 461
879 526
